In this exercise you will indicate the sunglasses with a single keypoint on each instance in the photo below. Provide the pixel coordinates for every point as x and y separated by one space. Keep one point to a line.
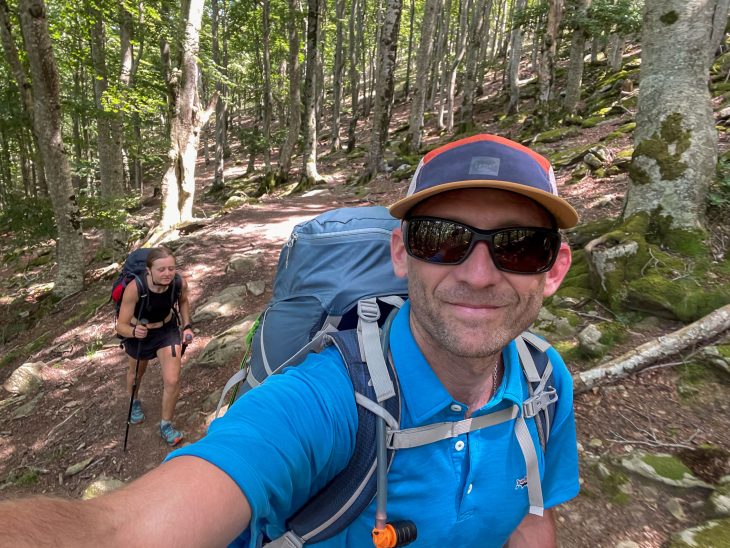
519 250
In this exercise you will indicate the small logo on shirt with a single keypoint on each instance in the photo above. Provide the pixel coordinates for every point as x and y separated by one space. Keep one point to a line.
521 483
484 165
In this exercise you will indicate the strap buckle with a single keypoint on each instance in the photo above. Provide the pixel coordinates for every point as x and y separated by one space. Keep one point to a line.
539 402
368 310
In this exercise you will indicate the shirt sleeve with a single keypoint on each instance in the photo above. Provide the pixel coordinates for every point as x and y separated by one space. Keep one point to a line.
561 481
284 440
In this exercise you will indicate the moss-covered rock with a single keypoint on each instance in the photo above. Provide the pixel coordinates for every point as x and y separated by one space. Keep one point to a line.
568 156
711 534
592 121
663 468
557 134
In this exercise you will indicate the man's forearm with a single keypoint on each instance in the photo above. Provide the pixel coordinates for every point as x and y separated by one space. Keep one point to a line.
43 521
534 531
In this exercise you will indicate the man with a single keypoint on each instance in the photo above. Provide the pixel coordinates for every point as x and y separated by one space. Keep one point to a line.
479 245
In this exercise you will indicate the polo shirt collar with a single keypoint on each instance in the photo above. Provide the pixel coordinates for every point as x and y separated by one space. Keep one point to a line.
422 390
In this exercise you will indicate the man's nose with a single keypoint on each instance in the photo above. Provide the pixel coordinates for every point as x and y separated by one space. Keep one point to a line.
478 270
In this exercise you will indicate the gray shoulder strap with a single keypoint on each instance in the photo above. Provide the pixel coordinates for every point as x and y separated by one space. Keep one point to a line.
371 349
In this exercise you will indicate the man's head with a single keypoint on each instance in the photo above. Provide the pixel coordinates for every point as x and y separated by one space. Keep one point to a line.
479 244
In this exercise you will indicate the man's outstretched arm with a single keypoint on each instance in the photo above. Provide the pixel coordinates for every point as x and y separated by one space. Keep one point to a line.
534 531
184 502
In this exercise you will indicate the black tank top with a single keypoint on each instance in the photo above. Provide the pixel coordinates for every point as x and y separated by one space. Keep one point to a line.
158 305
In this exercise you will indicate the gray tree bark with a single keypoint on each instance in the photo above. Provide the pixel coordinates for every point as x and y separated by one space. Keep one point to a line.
178 182
219 180
295 98
462 33
546 68
577 54
24 87
310 175
477 34
49 123
354 50
515 54
675 150
387 52
420 84
337 71
268 101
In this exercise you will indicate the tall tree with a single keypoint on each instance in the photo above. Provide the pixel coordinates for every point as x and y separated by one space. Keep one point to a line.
577 53
546 68
49 124
675 150
337 71
295 99
477 34
354 49
310 175
178 182
421 82
268 101
515 55
221 105
387 52
24 87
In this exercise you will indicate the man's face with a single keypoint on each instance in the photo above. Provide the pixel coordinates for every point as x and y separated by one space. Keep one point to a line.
473 310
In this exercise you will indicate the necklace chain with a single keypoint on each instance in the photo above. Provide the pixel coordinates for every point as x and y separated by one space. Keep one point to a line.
495 374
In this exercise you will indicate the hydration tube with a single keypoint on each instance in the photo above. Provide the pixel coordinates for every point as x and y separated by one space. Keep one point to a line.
397 533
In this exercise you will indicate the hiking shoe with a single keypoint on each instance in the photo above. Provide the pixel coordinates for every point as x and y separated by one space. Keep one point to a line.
137 415
170 435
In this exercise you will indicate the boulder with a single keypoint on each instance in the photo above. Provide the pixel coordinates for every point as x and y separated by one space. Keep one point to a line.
101 486
711 534
666 469
26 379
222 305
229 344
243 262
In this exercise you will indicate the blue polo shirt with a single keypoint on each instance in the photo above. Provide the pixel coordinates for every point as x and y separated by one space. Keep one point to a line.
284 440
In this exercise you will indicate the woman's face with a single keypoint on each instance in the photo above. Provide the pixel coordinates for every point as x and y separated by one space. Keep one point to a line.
163 270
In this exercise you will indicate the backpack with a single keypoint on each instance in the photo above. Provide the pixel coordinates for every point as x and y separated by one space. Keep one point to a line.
135 268
335 285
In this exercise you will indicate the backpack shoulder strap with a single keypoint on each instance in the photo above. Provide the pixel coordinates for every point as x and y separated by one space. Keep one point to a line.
348 494
539 373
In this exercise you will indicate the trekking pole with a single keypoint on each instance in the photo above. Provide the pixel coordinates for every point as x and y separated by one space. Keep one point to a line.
134 387
188 339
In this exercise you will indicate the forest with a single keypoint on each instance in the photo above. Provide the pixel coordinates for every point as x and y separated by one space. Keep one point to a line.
214 127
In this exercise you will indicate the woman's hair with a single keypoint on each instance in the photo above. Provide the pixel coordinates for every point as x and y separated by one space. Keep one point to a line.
158 253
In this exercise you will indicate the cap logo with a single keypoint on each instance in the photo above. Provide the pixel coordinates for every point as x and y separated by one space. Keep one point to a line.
484 165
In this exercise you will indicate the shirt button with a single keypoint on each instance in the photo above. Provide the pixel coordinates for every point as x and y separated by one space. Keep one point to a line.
471 486
459 445
455 407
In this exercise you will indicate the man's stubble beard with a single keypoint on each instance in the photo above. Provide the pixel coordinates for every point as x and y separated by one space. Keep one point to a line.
492 339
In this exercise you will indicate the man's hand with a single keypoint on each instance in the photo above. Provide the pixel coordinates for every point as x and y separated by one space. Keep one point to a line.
534 531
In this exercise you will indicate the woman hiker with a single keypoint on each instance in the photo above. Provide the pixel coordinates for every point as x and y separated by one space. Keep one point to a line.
150 325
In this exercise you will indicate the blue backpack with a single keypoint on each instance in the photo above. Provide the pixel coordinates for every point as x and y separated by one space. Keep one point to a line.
335 285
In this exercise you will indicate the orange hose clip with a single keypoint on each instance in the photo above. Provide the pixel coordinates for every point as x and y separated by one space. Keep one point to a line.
394 534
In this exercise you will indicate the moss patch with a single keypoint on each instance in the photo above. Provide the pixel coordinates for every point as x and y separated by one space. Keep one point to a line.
667 466
666 147
556 134
711 534
669 18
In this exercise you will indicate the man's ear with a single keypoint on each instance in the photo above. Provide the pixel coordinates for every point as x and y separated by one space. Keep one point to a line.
398 254
557 273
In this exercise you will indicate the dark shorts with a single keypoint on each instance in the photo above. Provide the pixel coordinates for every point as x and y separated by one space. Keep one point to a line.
167 335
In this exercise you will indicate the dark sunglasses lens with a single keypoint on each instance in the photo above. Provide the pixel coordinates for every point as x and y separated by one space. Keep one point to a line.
437 241
525 250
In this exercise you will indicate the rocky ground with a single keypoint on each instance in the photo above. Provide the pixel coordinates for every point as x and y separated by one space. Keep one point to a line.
654 446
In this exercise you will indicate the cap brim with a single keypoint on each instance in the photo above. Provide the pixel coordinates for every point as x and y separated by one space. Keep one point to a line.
565 215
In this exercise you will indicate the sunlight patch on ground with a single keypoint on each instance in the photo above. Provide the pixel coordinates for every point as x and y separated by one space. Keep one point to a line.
274 232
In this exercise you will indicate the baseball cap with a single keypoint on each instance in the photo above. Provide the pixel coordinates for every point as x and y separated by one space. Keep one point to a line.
487 161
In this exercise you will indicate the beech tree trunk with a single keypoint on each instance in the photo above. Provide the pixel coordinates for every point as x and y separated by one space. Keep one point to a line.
577 53
675 147
355 15
24 88
387 51
268 102
178 183
295 99
515 54
477 33
421 82
463 32
337 73
48 123
310 176
546 68
219 180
